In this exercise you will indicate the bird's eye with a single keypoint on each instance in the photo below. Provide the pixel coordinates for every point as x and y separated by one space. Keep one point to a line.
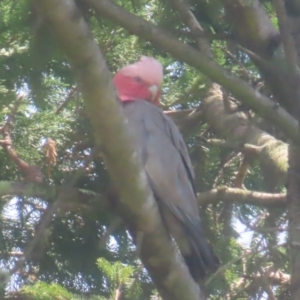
138 79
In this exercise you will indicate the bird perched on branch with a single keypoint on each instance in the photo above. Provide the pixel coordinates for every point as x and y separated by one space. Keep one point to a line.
165 158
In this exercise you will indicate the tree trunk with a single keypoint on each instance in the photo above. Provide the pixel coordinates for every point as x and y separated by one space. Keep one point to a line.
293 194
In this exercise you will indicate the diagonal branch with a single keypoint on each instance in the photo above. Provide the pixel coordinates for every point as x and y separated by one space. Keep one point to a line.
67 100
137 206
191 21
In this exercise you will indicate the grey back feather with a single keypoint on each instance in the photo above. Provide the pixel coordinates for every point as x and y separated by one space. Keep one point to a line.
165 158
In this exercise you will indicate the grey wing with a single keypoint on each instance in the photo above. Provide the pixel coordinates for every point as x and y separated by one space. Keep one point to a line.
181 147
164 155
169 170
167 163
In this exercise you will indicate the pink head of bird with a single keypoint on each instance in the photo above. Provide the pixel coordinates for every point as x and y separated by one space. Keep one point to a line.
140 81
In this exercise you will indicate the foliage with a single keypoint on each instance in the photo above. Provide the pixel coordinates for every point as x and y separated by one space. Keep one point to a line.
249 239
43 291
120 277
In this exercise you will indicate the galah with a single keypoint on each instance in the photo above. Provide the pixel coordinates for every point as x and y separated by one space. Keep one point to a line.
165 158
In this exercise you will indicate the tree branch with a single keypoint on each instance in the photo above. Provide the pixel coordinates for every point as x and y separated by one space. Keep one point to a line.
241 196
252 26
237 129
74 199
138 26
67 100
190 20
293 196
137 206
27 189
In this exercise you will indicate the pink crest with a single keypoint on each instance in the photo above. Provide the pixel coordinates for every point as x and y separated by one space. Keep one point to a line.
147 68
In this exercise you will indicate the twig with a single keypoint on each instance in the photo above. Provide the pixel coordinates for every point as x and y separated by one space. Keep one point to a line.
243 68
6 129
233 261
67 100
269 291
224 165
222 36
190 20
115 223
192 90
242 172
118 292
262 62
13 253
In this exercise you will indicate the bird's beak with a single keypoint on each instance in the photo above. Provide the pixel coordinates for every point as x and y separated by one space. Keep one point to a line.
153 89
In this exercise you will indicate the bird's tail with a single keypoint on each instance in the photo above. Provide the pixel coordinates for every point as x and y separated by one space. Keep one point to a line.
201 260
190 238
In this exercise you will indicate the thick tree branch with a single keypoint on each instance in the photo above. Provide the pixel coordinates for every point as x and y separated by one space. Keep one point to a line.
27 189
241 196
293 196
138 207
186 53
251 25
237 129
73 200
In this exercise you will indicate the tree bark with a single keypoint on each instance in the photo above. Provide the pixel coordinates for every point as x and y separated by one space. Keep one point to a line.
252 26
241 196
293 195
238 130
